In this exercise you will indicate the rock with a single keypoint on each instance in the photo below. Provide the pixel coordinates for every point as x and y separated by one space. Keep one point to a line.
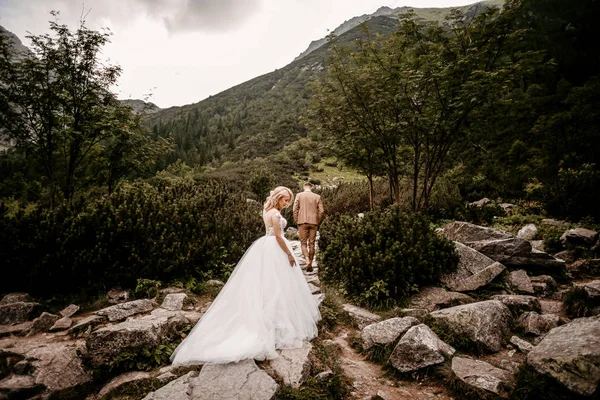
381 395
22 367
537 324
314 280
16 312
420 347
293 365
538 245
482 375
43 323
319 298
418 313
242 381
360 316
550 306
386 332
480 203
61 324
215 283
519 303
69 311
509 365
82 325
18 329
131 336
174 301
170 290
543 285
527 232
523 345
578 237
465 232
485 323
537 262
325 375
473 271
520 281
16 298
435 298
127 382
568 256
507 207
314 289
117 295
571 355
19 387
592 288
502 250
585 268
119 312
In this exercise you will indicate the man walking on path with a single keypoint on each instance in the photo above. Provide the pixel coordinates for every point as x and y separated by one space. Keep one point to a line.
308 212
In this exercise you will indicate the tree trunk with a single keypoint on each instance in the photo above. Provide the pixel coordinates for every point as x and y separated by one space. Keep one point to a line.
371 193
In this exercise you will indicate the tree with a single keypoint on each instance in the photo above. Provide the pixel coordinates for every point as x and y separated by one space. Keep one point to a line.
413 94
57 104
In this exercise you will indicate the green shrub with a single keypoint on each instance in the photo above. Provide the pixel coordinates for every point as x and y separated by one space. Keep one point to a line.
383 257
146 289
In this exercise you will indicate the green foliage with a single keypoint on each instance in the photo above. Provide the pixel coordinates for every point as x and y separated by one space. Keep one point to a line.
146 289
389 246
146 359
163 229
577 303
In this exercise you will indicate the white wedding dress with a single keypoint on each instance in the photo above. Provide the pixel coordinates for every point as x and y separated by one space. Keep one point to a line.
265 305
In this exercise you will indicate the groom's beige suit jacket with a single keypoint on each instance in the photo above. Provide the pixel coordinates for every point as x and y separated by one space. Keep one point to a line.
308 208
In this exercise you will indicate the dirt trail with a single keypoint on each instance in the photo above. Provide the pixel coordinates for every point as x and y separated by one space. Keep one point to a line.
369 378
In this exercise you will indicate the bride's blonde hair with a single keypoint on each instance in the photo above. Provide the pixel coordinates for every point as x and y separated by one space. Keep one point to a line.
276 195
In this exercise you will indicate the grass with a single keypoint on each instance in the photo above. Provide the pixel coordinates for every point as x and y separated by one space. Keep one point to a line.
325 173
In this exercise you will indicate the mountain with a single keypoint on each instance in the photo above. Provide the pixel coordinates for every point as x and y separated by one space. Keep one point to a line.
141 106
18 47
259 118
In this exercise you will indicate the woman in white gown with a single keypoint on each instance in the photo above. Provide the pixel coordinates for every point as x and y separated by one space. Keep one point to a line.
265 305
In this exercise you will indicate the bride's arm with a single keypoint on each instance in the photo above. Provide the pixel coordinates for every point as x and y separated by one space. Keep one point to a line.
275 220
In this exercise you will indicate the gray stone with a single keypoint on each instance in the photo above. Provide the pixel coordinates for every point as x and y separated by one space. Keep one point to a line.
386 332
502 250
435 298
520 281
571 355
537 324
508 208
82 325
314 289
592 288
314 280
242 381
170 290
43 323
215 283
319 298
485 323
420 347
482 375
69 311
585 268
125 382
381 395
174 301
551 306
538 245
16 298
17 330
473 271
16 312
568 256
19 387
134 334
465 232
325 375
578 236
509 365
543 285
418 313
360 316
519 303
119 312
480 203
521 344
527 232
117 295
61 324
293 365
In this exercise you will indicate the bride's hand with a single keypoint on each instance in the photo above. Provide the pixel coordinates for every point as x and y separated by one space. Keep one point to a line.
291 260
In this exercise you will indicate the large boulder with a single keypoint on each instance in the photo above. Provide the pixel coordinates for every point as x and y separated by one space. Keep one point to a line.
482 375
17 297
537 324
17 312
133 335
527 232
121 311
43 323
583 268
435 298
520 281
293 365
519 303
578 237
502 250
386 332
174 301
571 354
473 271
242 381
360 316
420 347
592 288
484 323
465 232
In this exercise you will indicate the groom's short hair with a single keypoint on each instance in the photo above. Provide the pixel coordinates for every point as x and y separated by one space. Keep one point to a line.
308 185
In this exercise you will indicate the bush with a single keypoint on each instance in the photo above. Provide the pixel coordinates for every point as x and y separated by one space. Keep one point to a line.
163 230
146 289
383 257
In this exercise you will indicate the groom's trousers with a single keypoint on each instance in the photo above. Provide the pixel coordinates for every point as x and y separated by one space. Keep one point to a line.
308 235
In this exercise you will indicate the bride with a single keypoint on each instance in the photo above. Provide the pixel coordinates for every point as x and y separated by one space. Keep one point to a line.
265 305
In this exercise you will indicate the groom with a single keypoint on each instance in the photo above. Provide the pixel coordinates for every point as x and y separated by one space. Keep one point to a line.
308 212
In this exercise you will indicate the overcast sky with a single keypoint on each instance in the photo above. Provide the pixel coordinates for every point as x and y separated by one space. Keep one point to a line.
182 51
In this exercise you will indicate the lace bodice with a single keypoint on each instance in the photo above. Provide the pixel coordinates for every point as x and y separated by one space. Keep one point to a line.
269 227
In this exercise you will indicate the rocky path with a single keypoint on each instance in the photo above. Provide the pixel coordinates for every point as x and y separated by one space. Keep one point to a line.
369 379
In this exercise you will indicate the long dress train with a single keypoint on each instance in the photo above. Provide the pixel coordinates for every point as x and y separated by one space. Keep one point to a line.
265 305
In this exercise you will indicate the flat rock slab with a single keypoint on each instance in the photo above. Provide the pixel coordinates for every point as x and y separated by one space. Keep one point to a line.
61 324
537 324
86 323
360 316
386 332
69 311
127 381
473 271
314 289
485 323
481 375
119 312
241 381
435 298
174 301
523 345
571 354
578 236
519 303
16 312
293 365
17 330
420 347
520 281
